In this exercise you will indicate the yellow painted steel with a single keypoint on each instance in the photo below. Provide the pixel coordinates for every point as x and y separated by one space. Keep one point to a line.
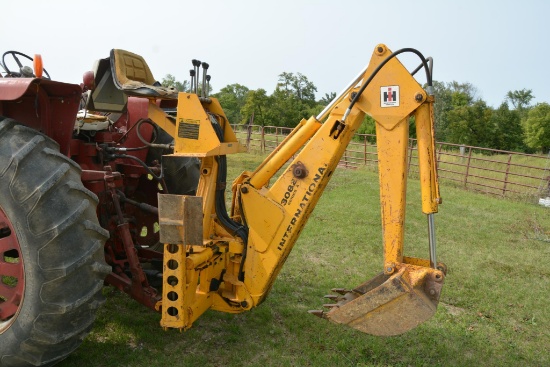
230 275
174 312
392 154
159 117
196 136
426 157
284 152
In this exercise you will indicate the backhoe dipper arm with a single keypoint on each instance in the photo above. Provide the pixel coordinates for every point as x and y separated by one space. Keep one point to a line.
276 215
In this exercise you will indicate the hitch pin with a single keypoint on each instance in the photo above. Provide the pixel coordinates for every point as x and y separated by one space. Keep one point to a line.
431 240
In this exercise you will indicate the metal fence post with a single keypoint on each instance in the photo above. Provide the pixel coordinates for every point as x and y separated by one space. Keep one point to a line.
262 140
411 143
506 175
467 167
365 149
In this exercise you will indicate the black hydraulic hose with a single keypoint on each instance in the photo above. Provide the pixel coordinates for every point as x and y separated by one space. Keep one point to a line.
221 210
430 66
156 134
116 149
159 178
382 64
237 228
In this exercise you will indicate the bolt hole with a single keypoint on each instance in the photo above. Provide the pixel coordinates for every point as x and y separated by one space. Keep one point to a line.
172 311
5 232
173 264
9 281
11 256
172 296
173 281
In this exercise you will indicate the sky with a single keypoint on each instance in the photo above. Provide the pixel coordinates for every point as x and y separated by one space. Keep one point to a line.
498 46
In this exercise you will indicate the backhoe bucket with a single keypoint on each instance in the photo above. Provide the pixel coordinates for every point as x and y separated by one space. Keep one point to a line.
389 304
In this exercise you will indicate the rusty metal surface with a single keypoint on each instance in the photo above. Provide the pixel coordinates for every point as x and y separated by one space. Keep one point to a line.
388 304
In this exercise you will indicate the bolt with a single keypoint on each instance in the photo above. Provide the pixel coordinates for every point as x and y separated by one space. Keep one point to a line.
244 304
244 190
380 49
432 292
418 97
353 94
299 170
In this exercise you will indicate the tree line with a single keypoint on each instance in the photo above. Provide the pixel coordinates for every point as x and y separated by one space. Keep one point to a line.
461 116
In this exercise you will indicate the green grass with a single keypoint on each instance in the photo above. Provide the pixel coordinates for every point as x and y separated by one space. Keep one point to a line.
494 306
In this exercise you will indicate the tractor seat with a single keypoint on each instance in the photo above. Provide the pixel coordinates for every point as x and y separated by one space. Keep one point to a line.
132 75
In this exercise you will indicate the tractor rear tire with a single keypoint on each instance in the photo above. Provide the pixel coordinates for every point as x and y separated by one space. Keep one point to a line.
51 247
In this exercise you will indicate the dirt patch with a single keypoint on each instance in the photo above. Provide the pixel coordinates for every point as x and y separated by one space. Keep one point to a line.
453 310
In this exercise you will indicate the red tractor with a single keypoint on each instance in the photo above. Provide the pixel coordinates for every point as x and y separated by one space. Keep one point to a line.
70 181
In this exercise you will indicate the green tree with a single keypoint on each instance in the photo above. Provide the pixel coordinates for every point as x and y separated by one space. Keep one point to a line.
170 81
537 128
257 104
443 104
508 133
324 101
449 96
471 125
520 99
368 126
232 98
292 100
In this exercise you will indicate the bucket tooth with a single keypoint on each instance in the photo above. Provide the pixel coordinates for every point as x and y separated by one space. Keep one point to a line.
332 297
330 305
318 313
340 290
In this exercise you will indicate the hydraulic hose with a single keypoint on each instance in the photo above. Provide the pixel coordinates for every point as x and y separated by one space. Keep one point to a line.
221 210
379 67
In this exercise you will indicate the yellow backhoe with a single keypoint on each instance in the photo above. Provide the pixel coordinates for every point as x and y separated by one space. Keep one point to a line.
228 262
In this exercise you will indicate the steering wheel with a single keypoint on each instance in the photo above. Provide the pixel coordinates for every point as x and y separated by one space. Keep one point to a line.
24 71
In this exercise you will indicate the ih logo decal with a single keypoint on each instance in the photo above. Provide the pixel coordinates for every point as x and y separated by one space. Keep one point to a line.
389 96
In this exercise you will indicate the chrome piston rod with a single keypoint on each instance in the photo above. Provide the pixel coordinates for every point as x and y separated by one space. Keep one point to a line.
431 240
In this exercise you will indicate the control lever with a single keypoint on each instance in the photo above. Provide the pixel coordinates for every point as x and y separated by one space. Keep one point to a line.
204 69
